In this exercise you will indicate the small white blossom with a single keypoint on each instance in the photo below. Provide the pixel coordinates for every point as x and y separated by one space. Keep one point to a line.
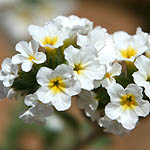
142 77
30 117
112 126
96 37
102 42
88 102
129 47
112 71
28 55
85 65
57 86
44 110
126 105
37 112
8 72
49 36
74 24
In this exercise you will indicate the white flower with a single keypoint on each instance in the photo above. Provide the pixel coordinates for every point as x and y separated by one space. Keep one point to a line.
96 37
126 105
44 110
129 47
74 24
57 86
112 126
85 66
112 71
49 36
8 73
28 55
103 43
88 102
142 77
30 117
37 111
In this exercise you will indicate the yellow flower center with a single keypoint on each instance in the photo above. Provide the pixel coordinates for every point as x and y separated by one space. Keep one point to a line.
79 68
128 101
51 41
31 58
108 75
57 85
128 53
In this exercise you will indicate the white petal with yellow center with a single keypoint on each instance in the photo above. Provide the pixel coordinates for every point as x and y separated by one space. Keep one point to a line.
128 52
57 86
28 55
112 70
85 66
48 36
129 47
126 105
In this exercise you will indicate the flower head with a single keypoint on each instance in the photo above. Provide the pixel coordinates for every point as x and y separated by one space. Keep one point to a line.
103 43
57 86
28 55
126 105
49 36
112 71
8 72
74 24
129 47
85 66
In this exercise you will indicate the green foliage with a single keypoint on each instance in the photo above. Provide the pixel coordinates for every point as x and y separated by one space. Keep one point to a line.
55 57
26 81
126 76
102 97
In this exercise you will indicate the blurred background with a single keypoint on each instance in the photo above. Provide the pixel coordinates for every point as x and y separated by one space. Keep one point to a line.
64 130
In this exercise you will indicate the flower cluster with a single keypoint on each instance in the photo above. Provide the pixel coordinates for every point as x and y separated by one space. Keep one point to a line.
68 57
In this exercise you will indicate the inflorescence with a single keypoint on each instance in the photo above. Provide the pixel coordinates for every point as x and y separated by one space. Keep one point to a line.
109 73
